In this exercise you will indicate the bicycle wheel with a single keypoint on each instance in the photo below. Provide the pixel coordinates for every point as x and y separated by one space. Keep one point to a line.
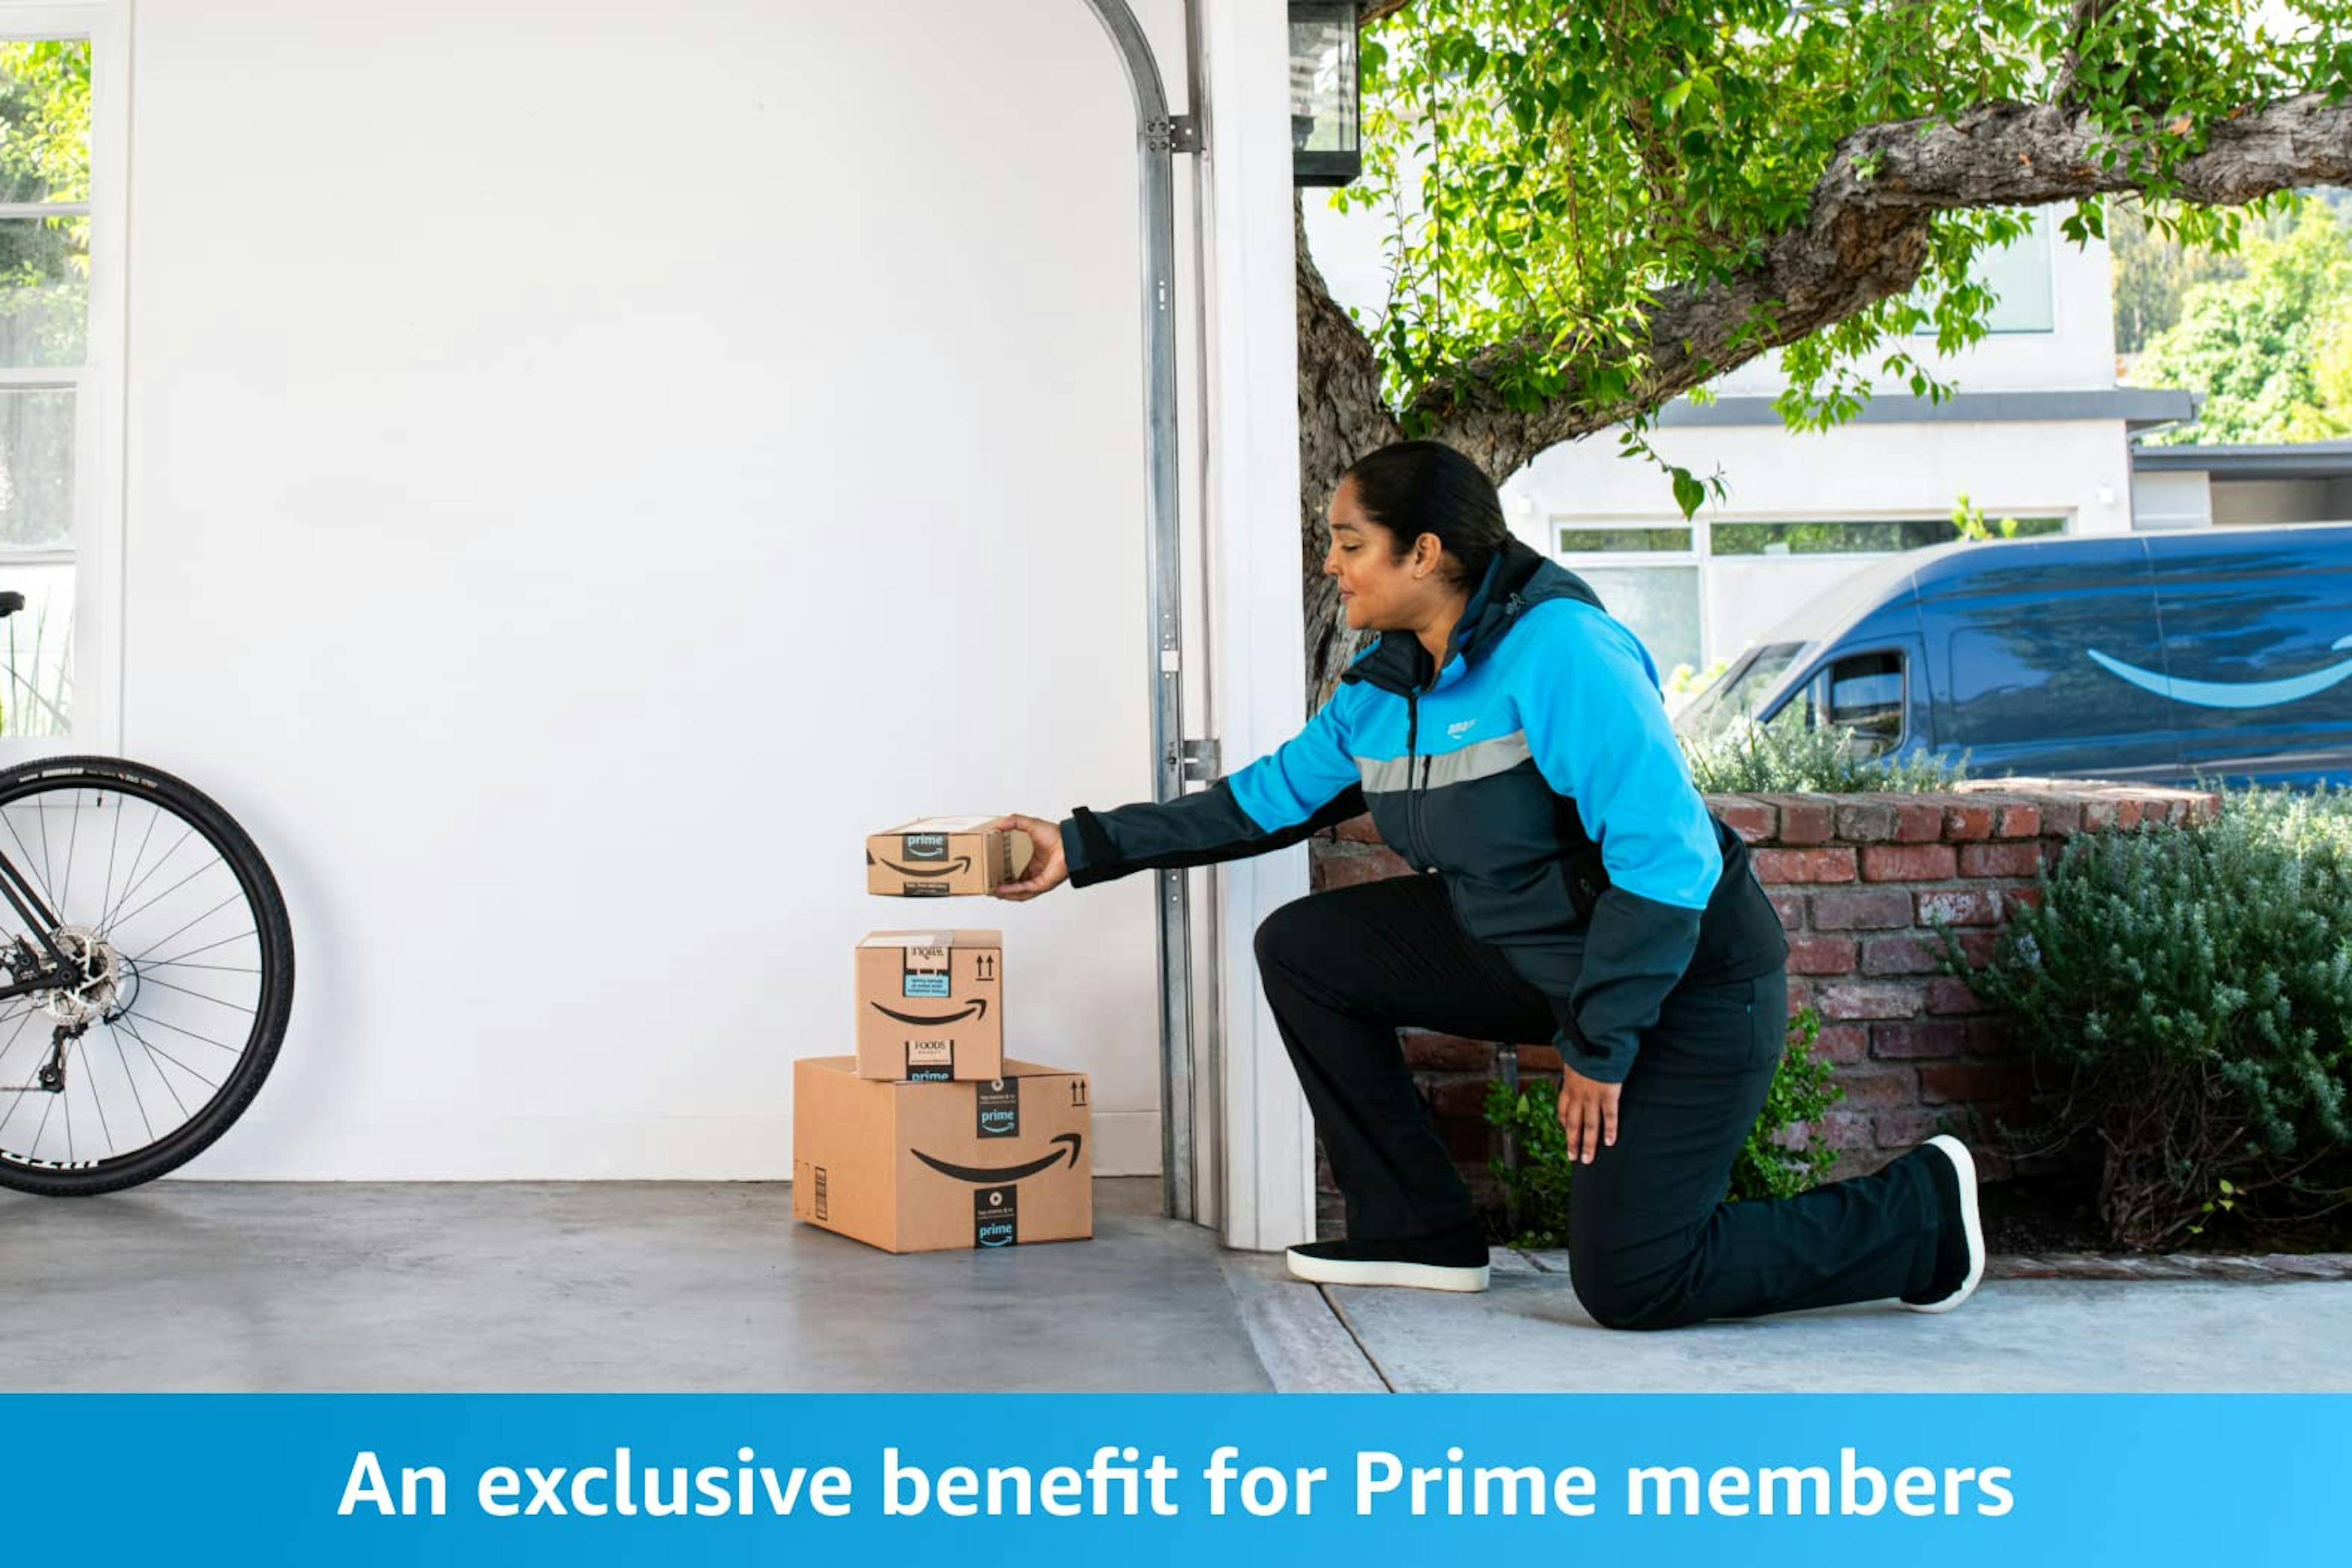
185 975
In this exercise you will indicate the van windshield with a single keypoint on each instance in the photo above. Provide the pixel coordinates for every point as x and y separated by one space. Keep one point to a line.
1739 693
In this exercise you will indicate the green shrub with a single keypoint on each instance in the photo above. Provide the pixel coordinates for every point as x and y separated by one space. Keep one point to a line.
2191 990
1787 758
1784 1155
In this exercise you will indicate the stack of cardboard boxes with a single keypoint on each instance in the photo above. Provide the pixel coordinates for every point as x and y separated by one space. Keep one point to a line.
929 1136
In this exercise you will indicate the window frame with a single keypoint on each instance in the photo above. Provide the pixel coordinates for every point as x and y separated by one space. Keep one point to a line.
98 384
1693 556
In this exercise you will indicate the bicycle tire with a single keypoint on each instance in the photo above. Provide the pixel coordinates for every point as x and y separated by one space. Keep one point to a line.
274 944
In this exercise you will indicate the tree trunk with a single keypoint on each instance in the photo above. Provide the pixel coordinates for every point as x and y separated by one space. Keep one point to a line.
1341 417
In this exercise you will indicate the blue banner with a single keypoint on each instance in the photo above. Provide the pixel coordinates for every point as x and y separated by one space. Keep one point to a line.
662 1479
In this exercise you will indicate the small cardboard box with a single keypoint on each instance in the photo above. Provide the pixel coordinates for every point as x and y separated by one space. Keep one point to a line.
925 1167
938 857
931 1004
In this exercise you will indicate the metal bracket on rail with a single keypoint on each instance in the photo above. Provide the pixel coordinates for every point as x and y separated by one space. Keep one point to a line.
1179 133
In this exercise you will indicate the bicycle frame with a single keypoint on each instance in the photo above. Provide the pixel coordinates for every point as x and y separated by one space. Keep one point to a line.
26 901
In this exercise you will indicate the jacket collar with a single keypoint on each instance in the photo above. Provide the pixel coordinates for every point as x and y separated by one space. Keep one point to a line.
1515 579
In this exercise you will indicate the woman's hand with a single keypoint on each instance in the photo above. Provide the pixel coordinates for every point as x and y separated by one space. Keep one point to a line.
1046 870
1588 1114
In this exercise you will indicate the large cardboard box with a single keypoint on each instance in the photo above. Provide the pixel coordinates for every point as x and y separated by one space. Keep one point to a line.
924 1167
931 1004
938 857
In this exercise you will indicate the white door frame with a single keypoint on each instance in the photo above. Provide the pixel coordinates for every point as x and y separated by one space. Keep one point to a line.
1257 653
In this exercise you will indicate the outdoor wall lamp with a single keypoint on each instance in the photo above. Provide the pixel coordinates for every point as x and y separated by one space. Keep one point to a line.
1325 93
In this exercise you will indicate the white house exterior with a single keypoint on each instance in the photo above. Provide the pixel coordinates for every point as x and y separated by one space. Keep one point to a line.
2039 430
562 475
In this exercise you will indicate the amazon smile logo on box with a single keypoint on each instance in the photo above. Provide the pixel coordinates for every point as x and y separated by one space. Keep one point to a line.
1001 1175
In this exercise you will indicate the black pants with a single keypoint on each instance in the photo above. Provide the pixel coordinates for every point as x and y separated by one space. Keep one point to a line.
1652 1243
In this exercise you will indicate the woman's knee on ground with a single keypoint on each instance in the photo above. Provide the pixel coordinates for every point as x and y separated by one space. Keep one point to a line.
1620 1297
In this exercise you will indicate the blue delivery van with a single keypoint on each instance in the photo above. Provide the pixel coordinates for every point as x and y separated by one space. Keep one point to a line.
2147 658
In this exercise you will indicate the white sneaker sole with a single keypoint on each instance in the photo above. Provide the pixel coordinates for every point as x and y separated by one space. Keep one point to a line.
1416 1276
1965 1165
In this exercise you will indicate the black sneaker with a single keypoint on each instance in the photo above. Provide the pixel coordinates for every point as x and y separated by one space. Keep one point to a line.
1960 1250
1451 1259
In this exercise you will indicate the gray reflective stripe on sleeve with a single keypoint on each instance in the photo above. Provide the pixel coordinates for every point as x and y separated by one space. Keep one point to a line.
1479 760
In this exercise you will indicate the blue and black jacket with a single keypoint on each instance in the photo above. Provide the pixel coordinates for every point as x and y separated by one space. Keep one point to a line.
1535 772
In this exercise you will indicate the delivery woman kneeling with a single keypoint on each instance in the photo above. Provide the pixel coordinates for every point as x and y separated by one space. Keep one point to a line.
1510 740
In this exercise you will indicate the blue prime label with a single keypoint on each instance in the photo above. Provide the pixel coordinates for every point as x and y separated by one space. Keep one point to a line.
927 845
995 1220
1000 1108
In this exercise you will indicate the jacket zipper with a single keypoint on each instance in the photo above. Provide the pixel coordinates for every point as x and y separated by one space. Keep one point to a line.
1411 756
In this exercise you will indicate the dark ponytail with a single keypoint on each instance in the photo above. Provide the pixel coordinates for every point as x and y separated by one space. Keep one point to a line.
1426 487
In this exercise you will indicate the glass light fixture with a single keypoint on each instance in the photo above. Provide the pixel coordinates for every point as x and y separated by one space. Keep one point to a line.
1325 93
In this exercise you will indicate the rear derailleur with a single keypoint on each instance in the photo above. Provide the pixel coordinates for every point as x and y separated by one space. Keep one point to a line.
76 1008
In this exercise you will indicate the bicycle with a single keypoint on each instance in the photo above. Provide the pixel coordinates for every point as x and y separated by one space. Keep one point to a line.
141 967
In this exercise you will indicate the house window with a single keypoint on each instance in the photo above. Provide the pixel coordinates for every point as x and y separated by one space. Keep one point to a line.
2019 274
1648 576
1876 536
45 234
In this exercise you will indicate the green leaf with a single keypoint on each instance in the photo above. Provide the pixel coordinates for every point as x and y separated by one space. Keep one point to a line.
1689 494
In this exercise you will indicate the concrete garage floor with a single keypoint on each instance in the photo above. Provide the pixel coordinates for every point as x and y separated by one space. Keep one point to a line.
691 1286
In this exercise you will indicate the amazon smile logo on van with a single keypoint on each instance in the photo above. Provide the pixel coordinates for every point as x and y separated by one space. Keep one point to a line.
999 1175
2231 693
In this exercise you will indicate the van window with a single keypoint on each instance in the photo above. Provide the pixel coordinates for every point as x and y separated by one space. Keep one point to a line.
1735 696
1866 696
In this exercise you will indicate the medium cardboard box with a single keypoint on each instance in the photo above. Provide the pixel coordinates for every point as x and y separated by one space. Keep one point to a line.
931 1004
938 857
924 1167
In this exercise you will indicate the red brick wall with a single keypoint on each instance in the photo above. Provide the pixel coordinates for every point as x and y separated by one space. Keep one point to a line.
1860 882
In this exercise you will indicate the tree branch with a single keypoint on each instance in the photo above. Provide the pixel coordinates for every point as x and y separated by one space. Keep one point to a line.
1370 11
1865 237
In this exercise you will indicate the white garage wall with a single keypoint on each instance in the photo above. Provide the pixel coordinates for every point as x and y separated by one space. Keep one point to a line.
586 467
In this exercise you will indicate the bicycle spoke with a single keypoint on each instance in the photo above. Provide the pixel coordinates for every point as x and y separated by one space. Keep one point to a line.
121 920
151 980
49 877
154 1050
109 922
40 888
136 1098
142 957
82 1049
73 837
200 1039
105 921
175 963
44 1127
160 1074
114 844
17 1099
